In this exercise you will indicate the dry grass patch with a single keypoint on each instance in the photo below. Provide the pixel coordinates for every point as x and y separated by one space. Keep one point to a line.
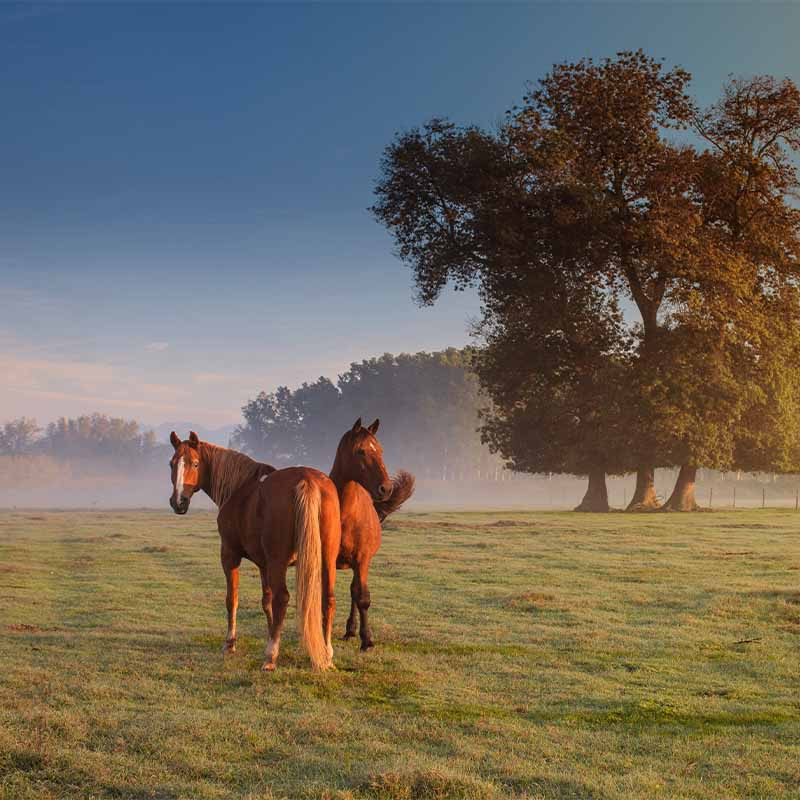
430 784
537 601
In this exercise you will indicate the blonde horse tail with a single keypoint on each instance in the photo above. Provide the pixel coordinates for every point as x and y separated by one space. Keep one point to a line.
308 501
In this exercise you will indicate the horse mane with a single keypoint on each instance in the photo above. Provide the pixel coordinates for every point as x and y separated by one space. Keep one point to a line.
403 489
229 470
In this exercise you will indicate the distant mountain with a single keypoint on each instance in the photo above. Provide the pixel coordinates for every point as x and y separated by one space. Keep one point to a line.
219 436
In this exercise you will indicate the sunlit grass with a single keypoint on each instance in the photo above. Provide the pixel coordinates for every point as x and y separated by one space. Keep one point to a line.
519 654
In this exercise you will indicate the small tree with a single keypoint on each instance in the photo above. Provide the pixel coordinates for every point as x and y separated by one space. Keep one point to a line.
18 436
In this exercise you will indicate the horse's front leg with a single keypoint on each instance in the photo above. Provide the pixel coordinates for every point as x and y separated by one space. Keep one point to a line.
266 595
352 624
230 565
363 602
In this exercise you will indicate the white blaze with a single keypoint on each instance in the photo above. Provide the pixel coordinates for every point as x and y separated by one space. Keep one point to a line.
179 480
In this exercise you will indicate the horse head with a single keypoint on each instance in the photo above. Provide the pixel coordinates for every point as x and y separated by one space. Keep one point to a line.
359 458
187 471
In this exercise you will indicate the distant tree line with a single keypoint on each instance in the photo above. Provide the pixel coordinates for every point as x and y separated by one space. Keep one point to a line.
87 437
428 404
18 436
638 262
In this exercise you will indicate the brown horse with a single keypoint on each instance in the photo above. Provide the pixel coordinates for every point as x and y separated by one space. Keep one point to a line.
238 474
360 452
274 518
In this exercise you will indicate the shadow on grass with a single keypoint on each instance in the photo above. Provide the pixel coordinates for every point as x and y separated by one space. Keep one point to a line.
654 713
426 785
435 784
64 780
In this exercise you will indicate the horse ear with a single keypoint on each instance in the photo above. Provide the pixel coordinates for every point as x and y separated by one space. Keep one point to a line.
193 439
175 440
357 426
373 429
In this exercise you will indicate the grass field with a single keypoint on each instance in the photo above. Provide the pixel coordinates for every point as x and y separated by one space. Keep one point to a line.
531 655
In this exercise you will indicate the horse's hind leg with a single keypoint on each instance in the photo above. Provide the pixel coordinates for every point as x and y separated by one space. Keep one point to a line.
352 626
328 601
230 564
276 578
361 599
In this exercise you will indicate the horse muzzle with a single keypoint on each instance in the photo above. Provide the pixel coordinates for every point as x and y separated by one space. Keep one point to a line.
179 507
384 491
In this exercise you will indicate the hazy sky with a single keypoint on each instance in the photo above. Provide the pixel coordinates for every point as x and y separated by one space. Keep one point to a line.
183 188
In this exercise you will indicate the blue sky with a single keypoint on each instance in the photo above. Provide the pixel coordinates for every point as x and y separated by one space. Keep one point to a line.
183 188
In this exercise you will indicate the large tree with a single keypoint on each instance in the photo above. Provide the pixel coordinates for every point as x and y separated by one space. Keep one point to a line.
578 184
555 368
737 304
586 181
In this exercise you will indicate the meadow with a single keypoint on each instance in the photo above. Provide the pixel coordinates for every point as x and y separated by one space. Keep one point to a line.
526 655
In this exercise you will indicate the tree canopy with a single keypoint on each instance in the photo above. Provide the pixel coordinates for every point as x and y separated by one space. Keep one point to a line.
97 436
428 404
609 189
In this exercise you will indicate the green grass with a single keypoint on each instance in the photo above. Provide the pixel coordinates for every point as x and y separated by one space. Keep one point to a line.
530 655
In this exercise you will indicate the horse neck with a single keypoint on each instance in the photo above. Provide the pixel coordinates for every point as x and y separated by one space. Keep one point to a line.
337 473
227 471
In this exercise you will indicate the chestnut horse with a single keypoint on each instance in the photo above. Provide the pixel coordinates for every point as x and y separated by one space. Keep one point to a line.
359 450
292 515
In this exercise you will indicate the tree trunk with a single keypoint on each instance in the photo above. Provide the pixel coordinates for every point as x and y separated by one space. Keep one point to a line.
596 497
682 497
644 496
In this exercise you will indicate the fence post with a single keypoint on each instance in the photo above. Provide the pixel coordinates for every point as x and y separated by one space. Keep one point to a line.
763 496
734 495
796 499
711 497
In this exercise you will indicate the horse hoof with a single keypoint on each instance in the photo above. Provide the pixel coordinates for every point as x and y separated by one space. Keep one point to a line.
228 647
348 635
367 646
268 666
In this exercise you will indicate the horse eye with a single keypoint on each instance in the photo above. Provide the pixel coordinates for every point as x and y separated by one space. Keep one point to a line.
195 464
361 451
